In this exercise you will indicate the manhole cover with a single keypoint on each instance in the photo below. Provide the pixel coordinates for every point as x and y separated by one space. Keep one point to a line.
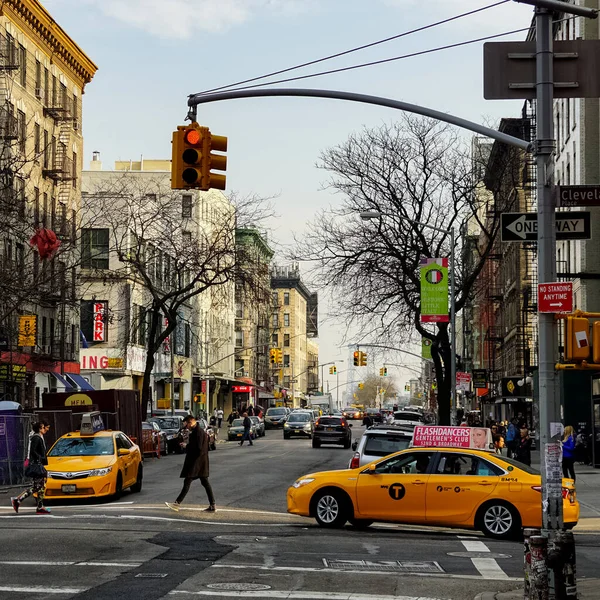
479 555
152 575
242 587
396 566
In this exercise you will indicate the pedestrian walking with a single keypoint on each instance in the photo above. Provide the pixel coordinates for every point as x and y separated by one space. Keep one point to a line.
195 465
568 449
512 438
523 452
247 433
219 417
36 457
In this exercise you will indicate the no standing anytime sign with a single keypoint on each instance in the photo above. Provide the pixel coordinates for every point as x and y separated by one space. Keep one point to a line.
555 297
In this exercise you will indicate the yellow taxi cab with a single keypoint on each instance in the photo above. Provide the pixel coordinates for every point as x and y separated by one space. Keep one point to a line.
460 487
93 462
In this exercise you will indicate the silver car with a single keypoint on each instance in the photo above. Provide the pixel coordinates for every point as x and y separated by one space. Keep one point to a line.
259 426
379 441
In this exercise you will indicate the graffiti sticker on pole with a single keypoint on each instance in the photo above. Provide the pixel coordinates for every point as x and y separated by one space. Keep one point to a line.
434 290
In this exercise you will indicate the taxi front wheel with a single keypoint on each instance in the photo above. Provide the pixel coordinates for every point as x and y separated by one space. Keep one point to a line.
330 509
499 520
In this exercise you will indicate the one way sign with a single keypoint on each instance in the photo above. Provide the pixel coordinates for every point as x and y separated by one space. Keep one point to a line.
522 227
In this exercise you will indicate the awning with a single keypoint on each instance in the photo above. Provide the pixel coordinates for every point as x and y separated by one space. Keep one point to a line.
79 382
63 382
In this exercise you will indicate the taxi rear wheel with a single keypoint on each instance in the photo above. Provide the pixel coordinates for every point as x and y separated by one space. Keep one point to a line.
499 520
330 509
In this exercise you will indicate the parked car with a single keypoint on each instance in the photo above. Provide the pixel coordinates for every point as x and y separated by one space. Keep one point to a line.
275 417
259 425
378 441
332 430
236 430
299 423
171 427
154 440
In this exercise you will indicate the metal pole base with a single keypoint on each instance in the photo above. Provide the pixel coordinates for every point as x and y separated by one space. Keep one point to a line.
538 574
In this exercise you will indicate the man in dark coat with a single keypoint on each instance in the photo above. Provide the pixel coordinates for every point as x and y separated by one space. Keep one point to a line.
247 433
195 465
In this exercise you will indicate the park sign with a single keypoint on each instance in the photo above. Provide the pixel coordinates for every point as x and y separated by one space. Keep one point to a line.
434 290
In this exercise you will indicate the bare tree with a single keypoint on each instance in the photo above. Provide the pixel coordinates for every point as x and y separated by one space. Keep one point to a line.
413 173
172 257
375 389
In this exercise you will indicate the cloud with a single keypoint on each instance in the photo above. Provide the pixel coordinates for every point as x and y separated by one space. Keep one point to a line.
181 19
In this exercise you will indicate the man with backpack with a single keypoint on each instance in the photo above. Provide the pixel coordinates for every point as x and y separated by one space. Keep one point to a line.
512 438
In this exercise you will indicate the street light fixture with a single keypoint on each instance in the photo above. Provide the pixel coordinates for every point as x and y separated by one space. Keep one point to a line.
374 214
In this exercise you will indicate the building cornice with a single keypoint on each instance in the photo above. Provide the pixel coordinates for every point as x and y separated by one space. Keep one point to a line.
39 25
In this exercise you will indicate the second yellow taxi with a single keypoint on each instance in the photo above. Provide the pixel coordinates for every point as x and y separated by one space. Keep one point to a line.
451 487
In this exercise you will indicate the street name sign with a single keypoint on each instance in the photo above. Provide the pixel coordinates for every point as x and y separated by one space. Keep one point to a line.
522 227
577 195
555 297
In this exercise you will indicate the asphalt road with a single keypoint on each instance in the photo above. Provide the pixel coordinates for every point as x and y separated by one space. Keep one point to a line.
138 549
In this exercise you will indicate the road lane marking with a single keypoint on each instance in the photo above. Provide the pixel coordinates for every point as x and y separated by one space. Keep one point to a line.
487 567
338 572
69 563
296 595
40 589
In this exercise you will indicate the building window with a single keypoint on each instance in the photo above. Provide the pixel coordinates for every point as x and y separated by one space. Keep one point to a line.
46 86
275 339
46 150
74 170
286 340
37 141
186 237
38 79
20 257
286 298
275 298
94 248
36 206
44 337
186 206
140 316
23 66
286 360
22 128
239 310
286 381
20 195
286 319
275 320
45 210
239 338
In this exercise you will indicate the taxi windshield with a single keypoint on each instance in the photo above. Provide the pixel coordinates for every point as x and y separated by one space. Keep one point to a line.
100 446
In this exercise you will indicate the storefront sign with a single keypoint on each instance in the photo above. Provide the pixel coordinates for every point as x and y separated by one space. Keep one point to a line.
479 378
78 400
99 359
99 334
14 373
434 290
241 388
435 436
27 330
463 381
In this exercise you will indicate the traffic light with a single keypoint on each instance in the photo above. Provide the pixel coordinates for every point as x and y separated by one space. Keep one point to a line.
361 386
273 355
213 161
385 371
192 159
357 358
331 370
381 372
334 370
407 387
596 342
363 359
577 344
278 355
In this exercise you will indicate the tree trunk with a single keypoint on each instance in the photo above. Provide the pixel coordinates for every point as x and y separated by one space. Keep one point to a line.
154 323
441 355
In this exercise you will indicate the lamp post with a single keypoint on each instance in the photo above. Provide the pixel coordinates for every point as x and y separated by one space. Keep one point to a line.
373 214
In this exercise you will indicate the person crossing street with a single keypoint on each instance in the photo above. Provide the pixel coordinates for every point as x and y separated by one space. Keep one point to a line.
195 465
247 430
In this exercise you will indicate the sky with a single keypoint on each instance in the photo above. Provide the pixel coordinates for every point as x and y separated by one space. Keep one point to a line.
151 54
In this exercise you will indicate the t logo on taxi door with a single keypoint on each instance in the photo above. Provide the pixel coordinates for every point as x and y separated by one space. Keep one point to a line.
397 491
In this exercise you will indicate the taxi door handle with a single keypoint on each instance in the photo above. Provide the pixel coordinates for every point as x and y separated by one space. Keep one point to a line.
417 482
485 483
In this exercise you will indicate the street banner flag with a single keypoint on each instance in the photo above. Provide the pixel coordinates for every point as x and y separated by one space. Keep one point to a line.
434 290
27 330
425 348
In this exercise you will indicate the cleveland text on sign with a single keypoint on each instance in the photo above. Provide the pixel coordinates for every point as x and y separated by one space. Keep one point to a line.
555 297
521 227
577 195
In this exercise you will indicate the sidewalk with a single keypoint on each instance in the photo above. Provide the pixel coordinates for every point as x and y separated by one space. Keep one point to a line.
587 589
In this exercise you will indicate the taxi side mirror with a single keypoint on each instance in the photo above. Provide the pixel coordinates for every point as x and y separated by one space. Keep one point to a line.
355 445
370 470
124 451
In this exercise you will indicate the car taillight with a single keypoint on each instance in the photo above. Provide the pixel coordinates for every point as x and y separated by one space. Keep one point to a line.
317 423
355 462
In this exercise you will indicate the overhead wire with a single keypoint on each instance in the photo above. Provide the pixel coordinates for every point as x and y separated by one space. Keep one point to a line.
357 48
382 61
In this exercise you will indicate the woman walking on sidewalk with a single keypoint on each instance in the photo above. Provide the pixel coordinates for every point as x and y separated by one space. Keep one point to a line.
35 469
568 448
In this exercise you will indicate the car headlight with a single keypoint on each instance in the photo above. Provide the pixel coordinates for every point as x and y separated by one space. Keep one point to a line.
307 426
302 482
286 425
100 472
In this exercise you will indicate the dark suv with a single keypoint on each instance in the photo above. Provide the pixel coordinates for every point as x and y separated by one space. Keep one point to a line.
332 430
